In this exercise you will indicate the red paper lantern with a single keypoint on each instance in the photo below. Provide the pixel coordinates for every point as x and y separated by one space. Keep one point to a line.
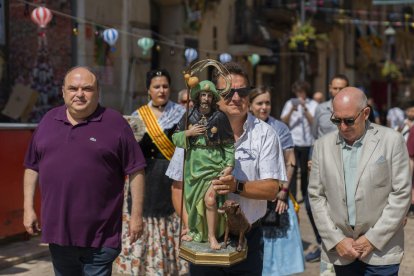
41 16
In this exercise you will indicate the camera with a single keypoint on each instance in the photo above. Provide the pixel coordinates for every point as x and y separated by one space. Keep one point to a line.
295 101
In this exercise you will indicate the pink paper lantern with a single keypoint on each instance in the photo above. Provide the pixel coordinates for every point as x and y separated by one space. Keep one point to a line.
41 16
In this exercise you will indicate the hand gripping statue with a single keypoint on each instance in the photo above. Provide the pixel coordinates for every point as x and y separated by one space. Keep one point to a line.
209 142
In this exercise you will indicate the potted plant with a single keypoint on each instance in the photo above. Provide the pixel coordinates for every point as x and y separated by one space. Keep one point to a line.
391 71
302 35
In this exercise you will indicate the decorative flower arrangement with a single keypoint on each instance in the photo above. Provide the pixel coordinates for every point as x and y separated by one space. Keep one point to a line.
303 34
391 71
195 11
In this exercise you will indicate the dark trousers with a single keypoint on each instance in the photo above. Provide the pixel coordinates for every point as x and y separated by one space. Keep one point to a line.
82 261
359 268
302 158
253 265
312 221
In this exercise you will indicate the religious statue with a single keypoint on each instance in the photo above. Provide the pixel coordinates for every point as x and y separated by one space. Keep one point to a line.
209 144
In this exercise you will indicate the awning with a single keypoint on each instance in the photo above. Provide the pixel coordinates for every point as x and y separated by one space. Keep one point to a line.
247 50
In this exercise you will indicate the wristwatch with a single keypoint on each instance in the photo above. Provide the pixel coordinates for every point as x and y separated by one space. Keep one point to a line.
239 187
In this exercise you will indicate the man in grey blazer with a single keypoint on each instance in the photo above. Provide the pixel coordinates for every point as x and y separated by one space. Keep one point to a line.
360 190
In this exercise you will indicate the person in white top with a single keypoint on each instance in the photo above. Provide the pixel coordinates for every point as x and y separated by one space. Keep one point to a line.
409 119
258 172
395 117
298 114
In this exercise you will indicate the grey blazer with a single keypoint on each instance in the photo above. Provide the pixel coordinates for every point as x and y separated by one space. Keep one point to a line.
382 196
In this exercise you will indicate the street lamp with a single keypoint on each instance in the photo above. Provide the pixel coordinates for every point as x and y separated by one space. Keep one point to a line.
390 35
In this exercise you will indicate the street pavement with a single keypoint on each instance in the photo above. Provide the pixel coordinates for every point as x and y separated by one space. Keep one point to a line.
31 258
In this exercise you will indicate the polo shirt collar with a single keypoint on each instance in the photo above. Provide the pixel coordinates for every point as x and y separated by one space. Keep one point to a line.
95 117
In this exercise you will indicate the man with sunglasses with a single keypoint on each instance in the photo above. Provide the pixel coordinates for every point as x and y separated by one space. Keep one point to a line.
360 190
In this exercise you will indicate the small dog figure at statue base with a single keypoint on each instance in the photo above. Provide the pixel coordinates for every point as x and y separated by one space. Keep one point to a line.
236 223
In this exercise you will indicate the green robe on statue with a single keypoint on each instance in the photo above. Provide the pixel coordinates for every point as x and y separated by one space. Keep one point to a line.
207 155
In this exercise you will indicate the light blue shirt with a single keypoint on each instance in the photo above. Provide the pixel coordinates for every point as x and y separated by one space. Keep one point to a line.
283 131
350 157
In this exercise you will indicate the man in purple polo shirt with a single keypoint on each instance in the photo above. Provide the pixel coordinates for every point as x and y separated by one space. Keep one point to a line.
80 154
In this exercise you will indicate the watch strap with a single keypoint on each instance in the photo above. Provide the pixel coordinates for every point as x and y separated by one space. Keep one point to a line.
239 186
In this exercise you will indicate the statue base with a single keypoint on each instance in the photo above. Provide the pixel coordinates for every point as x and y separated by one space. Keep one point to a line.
201 254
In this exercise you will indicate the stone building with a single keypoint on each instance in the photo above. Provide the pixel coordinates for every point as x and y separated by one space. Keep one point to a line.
349 38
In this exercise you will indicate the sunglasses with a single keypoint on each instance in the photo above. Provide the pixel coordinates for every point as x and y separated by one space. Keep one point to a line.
242 92
346 121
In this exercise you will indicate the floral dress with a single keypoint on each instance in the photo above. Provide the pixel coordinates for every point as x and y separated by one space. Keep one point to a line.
156 252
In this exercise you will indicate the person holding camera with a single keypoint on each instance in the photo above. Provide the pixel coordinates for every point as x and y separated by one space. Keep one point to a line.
298 114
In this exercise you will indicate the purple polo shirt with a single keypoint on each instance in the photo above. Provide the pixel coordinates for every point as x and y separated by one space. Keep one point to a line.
82 172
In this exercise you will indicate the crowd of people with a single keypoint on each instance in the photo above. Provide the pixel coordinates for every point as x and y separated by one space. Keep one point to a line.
112 193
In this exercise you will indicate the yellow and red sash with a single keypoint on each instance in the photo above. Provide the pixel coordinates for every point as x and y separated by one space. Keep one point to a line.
154 130
295 203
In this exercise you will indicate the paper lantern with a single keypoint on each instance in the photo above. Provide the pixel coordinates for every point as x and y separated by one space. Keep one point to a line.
254 59
110 36
145 43
190 55
225 57
41 16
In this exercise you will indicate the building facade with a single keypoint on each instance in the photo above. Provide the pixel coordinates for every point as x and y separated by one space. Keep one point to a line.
347 37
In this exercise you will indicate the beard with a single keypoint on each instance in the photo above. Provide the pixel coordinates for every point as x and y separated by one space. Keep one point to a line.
205 107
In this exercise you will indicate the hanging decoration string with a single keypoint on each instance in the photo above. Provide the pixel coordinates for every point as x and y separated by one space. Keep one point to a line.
171 43
161 39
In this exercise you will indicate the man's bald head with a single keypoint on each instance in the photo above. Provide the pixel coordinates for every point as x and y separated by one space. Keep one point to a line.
350 109
351 96
81 67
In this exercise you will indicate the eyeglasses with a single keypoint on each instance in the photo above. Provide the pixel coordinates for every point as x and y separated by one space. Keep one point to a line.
346 121
242 92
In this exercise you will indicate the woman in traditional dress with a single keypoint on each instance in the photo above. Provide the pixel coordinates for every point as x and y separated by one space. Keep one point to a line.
156 252
283 252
